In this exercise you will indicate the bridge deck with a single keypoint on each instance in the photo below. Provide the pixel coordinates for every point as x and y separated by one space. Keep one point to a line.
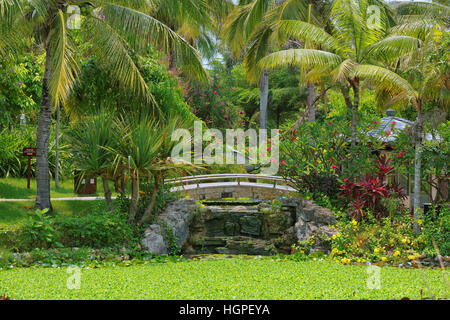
232 184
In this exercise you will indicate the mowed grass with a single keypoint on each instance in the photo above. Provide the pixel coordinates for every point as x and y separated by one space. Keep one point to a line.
15 188
223 279
14 214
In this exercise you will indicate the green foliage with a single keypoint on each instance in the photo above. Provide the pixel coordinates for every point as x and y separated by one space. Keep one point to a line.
389 240
173 248
20 88
99 228
40 231
436 228
318 156
223 279
14 164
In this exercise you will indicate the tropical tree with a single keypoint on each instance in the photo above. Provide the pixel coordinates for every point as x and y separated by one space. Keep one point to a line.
117 27
409 50
339 53
246 27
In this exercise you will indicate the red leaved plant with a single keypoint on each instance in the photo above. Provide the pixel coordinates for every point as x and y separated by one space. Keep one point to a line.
369 192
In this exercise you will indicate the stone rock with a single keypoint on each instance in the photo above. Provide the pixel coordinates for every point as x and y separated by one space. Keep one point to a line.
177 216
250 225
153 240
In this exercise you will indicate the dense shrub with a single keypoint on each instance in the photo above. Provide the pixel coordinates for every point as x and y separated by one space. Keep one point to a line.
316 157
368 194
436 228
100 228
97 229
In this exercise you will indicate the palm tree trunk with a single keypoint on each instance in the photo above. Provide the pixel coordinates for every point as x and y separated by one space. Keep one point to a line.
355 112
58 117
149 209
417 169
264 87
134 198
107 192
310 100
42 138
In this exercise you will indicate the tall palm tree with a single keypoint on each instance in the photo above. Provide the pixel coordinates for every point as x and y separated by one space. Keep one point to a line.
422 81
249 32
340 52
116 27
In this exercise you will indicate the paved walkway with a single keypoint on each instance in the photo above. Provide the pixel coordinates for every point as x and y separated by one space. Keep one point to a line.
56 199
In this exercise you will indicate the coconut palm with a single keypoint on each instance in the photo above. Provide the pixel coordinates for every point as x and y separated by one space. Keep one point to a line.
115 28
338 53
249 30
422 81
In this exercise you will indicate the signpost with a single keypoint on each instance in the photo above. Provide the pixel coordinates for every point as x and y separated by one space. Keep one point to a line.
29 152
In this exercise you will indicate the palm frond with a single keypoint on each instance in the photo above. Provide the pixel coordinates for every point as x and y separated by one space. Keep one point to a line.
386 80
304 31
343 71
140 30
258 9
417 29
64 66
394 47
234 29
112 47
349 24
302 58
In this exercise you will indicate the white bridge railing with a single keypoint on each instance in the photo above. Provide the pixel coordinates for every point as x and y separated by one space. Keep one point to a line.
235 177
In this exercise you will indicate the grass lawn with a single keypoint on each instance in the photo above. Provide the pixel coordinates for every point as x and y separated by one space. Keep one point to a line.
16 188
223 279
14 214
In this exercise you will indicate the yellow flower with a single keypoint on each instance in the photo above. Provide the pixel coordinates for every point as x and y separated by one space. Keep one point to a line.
419 222
202 206
411 257
334 236
403 240
354 222
383 259
396 253
338 234
335 250
409 241
376 250
187 197
301 251
307 198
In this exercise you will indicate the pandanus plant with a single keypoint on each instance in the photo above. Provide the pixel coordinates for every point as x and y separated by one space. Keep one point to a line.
91 143
137 153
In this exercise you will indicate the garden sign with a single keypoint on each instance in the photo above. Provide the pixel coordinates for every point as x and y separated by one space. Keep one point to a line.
29 152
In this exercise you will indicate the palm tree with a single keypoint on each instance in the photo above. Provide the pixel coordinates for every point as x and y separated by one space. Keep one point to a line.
249 29
340 52
115 26
407 51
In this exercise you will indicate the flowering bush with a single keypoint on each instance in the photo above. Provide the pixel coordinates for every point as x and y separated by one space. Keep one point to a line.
371 190
316 157
380 241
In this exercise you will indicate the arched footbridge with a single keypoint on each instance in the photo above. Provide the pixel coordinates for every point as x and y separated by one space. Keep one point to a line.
219 186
